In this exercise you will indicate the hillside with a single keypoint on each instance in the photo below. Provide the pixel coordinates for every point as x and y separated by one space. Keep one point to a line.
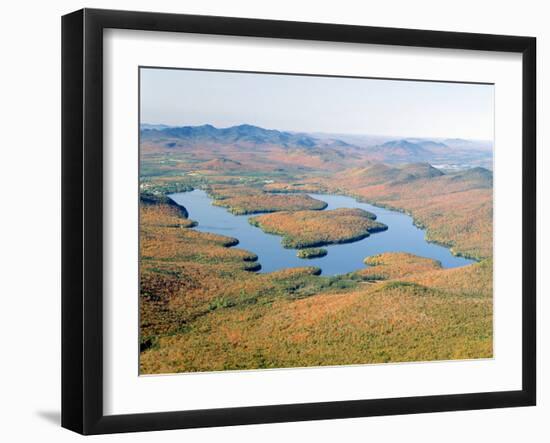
399 151
456 208
380 173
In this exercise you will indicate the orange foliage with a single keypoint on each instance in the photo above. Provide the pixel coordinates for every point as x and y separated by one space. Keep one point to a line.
303 229
394 265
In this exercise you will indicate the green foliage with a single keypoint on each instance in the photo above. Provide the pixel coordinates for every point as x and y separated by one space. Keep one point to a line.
221 302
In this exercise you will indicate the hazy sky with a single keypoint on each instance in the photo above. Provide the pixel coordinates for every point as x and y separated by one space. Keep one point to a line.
317 104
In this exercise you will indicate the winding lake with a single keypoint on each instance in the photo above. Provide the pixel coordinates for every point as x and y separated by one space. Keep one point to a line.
401 236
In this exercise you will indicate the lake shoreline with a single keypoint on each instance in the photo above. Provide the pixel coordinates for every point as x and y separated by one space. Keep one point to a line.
377 204
405 236
358 199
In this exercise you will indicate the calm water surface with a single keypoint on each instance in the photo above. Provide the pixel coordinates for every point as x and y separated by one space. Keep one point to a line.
401 236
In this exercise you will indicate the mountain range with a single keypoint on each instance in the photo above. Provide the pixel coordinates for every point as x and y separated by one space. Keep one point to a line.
241 134
452 151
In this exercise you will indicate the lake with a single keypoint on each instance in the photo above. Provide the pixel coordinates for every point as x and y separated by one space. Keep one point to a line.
402 236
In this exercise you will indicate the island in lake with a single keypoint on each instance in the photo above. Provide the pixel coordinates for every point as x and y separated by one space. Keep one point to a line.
268 248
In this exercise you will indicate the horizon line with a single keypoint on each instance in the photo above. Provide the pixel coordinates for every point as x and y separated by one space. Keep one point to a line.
320 132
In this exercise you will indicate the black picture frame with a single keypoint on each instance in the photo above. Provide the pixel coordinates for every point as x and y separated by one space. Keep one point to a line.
82 218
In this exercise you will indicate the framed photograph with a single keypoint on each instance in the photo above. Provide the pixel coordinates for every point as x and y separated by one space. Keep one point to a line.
268 221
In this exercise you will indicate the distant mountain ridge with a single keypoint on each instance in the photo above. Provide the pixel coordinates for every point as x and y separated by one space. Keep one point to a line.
234 134
153 126
319 147
415 144
410 150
